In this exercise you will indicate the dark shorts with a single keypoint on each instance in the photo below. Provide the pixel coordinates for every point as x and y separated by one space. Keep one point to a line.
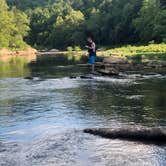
92 59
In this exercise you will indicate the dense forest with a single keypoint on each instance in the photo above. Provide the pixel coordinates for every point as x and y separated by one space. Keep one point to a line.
14 26
61 23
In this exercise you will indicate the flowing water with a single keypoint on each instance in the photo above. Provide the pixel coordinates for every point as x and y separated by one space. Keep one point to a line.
41 120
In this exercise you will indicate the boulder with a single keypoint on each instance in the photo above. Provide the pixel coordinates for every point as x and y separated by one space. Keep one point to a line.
54 50
72 77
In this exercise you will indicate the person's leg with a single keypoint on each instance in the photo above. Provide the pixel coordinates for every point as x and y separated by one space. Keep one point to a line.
93 68
93 63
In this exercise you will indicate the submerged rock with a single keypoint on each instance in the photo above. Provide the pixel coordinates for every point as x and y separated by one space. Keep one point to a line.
29 78
109 72
153 135
86 77
34 78
72 77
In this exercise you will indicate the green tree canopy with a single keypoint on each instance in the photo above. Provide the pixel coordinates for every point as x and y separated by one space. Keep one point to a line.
59 23
13 27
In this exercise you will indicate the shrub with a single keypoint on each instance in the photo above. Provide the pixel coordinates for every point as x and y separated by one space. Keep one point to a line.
151 42
77 48
69 48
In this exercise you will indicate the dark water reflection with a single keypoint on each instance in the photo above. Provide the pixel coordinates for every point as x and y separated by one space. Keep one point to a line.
41 121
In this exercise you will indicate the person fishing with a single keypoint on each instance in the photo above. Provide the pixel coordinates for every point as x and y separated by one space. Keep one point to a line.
91 46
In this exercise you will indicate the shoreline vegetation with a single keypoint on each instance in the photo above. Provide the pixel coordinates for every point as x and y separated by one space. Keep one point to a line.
110 61
151 52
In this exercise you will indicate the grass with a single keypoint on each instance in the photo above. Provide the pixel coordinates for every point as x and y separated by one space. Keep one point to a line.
129 50
135 50
149 52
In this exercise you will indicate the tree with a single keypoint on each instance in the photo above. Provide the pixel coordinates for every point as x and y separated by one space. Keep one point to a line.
59 23
6 24
38 26
13 27
67 31
21 23
159 31
145 22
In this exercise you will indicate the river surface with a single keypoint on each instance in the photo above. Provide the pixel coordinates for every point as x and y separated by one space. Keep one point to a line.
41 120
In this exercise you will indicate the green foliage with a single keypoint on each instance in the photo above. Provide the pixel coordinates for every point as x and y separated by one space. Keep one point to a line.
151 22
145 22
160 26
77 48
134 50
67 30
69 48
60 23
13 27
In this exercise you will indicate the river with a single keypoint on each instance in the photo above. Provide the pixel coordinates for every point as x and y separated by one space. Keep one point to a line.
42 120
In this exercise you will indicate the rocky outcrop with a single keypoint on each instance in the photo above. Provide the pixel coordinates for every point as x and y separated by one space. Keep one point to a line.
5 51
114 59
152 135
111 66
119 64
122 64
26 52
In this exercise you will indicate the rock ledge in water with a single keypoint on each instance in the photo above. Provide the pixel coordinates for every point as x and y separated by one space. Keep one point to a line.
153 135
86 77
109 72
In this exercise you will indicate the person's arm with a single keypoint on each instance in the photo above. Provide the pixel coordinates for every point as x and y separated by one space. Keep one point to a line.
92 47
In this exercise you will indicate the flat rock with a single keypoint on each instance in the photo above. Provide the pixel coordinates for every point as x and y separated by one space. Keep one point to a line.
114 59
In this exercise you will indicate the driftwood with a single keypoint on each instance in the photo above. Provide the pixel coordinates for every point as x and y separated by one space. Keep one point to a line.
152 135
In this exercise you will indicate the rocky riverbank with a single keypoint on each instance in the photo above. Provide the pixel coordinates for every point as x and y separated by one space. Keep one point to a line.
6 55
6 52
113 65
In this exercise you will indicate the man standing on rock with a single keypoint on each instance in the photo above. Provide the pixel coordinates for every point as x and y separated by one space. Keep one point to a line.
91 46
